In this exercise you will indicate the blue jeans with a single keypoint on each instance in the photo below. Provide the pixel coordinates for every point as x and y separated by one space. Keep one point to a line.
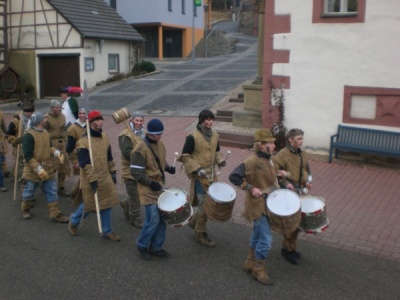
105 217
49 187
153 233
261 238
2 159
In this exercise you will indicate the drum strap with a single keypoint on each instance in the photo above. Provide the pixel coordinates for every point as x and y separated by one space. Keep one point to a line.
155 157
301 169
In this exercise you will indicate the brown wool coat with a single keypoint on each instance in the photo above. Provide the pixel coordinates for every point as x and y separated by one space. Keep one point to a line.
125 164
42 155
76 132
55 125
205 156
106 192
3 143
290 162
146 194
261 173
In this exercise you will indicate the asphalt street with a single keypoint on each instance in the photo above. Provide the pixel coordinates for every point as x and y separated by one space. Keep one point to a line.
39 259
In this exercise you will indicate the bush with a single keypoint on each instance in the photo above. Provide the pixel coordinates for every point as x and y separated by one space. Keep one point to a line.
144 66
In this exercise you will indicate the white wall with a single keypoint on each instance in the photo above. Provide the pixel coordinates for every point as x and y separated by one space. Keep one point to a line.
155 11
326 57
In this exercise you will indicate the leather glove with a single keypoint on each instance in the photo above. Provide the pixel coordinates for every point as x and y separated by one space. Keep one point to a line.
114 177
201 173
43 174
155 186
58 154
170 170
14 140
222 163
94 185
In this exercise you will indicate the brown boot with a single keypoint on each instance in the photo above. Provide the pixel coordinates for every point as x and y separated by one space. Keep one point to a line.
203 239
73 229
26 209
259 272
138 223
55 213
125 206
250 260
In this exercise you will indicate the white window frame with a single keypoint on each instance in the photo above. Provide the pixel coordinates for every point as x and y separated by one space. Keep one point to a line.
328 9
113 63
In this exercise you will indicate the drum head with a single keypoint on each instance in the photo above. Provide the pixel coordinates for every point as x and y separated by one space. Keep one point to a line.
283 202
311 204
221 192
172 199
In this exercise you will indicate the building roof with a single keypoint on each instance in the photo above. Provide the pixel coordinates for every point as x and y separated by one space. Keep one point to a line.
95 19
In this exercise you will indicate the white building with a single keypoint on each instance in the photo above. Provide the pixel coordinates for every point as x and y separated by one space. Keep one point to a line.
57 43
338 62
167 25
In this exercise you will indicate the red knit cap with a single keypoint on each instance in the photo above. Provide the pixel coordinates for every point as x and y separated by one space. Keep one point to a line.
94 115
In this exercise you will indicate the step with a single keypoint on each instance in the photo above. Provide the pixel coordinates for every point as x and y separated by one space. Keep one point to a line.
224 113
234 139
236 100
241 95
223 118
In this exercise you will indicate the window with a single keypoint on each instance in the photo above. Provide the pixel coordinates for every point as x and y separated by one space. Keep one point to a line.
113 63
339 11
195 11
169 5
183 7
89 64
113 4
340 7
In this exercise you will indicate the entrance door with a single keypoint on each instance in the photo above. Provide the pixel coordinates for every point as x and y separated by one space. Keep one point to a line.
57 71
172 43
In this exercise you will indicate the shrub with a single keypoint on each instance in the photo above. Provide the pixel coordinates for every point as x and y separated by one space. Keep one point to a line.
144 66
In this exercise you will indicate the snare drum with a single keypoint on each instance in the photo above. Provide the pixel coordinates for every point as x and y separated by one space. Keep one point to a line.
283 208
174 207
313 215
219 201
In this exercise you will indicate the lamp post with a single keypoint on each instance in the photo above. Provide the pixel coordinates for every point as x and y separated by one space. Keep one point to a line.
193 36
205 29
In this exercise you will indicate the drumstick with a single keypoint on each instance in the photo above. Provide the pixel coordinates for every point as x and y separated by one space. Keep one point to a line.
228 153
176 155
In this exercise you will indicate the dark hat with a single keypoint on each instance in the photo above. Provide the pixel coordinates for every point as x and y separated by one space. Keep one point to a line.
64 90
294 132
263 135
155 126
36 118
28 106
94 115
205 114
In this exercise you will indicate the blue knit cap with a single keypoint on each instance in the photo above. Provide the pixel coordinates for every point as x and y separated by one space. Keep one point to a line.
155 126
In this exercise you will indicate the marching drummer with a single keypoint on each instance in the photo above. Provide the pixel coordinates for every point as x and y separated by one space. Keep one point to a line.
200 154
257 176
148 163
295 162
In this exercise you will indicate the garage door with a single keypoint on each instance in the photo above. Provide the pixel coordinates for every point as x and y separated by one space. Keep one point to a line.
56 71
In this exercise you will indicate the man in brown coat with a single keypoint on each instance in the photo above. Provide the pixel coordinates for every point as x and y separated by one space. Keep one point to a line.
128 139
55 125
75 132
257 176
200 155
38 169
295 162
98 175
148 163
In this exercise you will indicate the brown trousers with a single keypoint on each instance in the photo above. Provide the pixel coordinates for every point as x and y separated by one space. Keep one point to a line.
290 240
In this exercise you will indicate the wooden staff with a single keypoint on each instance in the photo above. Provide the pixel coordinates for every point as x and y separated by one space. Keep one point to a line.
16 167
96 198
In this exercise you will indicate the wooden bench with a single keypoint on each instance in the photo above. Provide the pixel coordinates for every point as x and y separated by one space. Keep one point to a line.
365 140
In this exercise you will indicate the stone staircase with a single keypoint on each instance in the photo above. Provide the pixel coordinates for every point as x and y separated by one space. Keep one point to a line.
218 43
224 115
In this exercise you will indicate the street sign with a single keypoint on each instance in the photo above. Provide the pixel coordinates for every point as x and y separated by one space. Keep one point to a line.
197 2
